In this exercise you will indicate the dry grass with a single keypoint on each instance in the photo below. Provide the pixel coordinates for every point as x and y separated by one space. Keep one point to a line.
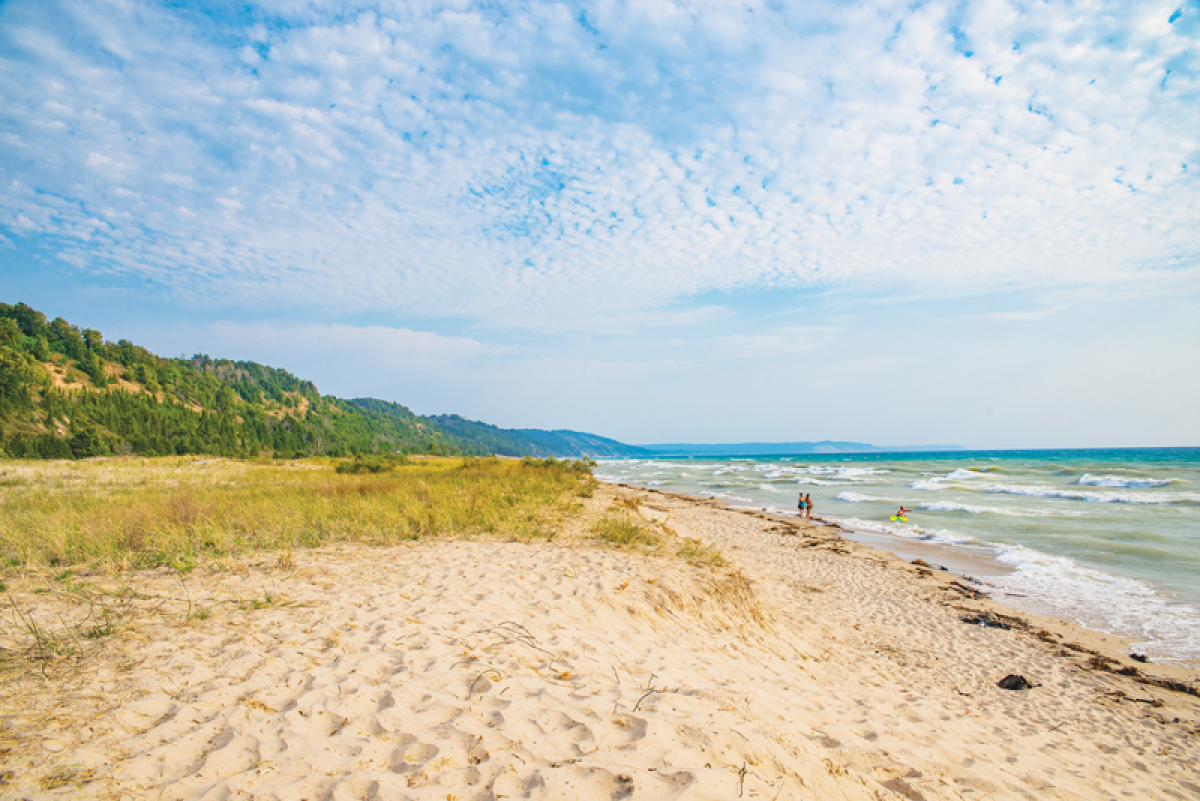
122 514
699 552
621 531
623 527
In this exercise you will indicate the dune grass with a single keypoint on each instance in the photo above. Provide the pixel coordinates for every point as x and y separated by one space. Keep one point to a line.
125 514
698 552
621 531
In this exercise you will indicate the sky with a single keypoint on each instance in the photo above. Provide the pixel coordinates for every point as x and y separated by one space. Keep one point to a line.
971 223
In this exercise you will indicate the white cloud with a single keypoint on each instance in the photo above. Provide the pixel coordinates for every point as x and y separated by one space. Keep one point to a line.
569 168
98 161
74 259
26 224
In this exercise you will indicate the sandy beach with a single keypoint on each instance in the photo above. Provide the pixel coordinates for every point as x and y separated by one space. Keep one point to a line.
810 667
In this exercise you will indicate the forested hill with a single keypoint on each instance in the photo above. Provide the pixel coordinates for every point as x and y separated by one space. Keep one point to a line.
66 392
532 441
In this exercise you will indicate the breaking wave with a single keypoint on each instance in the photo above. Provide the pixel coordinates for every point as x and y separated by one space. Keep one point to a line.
1118 481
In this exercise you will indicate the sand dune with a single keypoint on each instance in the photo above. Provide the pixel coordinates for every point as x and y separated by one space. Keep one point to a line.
483 669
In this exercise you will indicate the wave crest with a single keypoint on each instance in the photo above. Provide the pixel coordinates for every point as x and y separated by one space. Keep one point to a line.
854 497
1119 481
1093 497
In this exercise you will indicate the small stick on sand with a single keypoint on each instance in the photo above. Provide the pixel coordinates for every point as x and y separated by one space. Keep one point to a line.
484 675
649 693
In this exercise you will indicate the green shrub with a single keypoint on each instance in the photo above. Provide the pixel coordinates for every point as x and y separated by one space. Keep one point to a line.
383 463
584 465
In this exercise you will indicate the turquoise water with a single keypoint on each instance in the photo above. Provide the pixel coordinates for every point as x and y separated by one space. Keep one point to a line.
1109 539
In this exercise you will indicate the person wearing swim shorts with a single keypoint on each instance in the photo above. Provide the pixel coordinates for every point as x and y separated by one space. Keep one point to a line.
800 504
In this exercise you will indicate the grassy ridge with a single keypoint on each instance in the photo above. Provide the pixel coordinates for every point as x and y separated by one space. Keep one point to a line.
137 513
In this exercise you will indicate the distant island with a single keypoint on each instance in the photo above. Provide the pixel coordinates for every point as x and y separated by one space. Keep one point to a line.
68 393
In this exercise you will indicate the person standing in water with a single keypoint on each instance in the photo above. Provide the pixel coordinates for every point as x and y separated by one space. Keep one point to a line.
800 504
808 507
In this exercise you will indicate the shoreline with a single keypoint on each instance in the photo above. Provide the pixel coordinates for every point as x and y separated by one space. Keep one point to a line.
938 559
810 667
1103 541
957 559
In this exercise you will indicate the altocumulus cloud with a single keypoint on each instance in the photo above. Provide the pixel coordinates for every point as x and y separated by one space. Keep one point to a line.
554 165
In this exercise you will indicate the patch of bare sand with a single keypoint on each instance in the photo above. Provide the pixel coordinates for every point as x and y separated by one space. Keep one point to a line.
483 669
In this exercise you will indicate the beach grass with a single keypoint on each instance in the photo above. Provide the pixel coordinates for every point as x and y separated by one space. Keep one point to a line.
122 514
695 551
621 531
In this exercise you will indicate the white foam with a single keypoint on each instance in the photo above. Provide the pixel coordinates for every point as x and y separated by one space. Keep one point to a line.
951 506
1092 497
945 536
963 474
1059 586
842 472
908 531
1118 481
930 484
635 463
854 497
727 496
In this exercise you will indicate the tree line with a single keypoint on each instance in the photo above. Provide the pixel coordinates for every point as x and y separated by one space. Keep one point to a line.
67 392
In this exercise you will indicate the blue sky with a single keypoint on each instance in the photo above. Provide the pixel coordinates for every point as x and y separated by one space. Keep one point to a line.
892 222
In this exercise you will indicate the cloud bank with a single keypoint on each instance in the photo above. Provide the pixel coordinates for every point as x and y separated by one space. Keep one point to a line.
559 165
